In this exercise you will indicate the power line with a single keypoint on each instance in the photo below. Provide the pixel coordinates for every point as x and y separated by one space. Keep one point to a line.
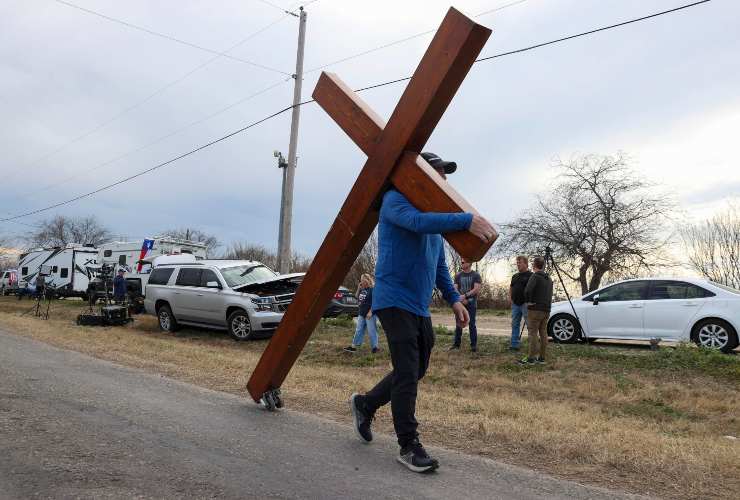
288 108
591 32
274 6
154 94
168 37
161 138
148 98
406 39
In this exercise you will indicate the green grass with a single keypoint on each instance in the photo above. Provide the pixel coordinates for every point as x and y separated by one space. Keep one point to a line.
682 359
655 410
479 312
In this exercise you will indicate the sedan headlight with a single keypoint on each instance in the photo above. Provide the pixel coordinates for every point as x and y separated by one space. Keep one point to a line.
262 303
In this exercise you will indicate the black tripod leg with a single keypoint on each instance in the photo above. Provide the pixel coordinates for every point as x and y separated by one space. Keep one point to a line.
572 307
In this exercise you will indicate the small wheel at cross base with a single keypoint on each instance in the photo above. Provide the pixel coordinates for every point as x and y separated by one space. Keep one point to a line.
272 400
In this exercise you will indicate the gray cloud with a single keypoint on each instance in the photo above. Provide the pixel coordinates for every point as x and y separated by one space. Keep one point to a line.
63 72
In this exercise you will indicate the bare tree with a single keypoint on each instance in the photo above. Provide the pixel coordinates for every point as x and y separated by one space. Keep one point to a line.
260 253
713 247
61 230
7 255
599 218
191 234
364 264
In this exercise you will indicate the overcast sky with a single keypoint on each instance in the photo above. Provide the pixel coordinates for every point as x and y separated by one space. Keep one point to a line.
72 84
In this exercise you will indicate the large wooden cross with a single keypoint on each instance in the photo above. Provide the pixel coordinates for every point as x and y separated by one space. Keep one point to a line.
393 158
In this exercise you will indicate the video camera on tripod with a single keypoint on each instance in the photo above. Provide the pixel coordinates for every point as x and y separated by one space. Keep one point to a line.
43 291
100 290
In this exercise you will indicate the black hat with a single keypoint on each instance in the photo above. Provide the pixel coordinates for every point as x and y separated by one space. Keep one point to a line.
437 162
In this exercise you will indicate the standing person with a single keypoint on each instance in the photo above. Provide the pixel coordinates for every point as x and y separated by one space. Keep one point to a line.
538 295
120 287
468 284
411 261
365 316
516 295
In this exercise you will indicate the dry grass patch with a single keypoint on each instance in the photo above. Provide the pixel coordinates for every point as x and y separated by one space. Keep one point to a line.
626 418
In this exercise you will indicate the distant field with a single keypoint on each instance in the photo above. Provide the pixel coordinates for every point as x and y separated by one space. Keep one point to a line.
629 418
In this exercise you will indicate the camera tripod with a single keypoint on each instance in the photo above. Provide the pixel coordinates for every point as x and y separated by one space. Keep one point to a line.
38 309
549 258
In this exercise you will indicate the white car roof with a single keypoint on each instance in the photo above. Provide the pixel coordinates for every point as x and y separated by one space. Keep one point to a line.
702 282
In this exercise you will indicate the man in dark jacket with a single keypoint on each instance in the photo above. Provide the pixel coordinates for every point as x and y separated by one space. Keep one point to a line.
411 261
538 296
516 295
120 287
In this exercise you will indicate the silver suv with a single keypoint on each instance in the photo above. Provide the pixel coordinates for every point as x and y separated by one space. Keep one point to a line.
244 297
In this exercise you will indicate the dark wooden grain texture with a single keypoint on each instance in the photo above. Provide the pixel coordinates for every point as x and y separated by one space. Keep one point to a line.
412 176
443 67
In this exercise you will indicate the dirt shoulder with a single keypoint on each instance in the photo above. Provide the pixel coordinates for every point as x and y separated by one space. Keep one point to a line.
624 418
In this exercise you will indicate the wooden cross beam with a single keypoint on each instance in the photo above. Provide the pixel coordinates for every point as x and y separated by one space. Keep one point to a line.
393 157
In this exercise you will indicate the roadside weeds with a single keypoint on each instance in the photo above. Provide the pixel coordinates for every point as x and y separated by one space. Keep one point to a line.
624 418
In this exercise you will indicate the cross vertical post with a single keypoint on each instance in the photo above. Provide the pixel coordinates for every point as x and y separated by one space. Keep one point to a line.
393 157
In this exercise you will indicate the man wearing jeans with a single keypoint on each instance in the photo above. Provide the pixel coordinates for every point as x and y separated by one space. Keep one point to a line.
516 295
468 284
411 261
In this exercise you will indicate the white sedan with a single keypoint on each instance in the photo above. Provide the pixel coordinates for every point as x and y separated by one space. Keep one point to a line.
672 309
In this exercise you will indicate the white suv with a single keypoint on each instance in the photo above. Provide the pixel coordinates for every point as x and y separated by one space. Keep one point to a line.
244 297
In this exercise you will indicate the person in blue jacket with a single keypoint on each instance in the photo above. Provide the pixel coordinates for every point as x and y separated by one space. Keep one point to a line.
365 316
411 262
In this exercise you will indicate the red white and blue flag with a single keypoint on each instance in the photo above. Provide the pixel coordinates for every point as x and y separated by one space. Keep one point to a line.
146 248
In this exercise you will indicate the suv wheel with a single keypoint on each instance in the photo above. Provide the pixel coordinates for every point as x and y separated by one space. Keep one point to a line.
167 321
564 328
715 334
240 328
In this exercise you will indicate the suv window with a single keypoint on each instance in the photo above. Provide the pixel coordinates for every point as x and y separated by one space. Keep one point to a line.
161 276
662 290
631 290
64 272
206 276
189 277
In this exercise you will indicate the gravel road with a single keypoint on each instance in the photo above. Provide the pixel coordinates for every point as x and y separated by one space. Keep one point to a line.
72 426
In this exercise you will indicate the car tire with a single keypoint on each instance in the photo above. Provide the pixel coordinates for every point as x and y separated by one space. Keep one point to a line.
564 329
714 334
240 328
167 321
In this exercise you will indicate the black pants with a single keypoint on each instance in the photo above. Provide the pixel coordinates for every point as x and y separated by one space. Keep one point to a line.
410 341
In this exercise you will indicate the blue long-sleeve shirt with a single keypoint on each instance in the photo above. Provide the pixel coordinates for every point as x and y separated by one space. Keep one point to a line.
411 259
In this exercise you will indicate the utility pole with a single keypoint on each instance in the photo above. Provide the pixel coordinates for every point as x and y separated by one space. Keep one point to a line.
286 203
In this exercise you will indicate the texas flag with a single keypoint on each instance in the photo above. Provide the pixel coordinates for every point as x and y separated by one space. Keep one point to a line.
146 247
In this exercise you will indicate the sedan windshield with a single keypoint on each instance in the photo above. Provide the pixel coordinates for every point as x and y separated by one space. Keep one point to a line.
247 274
726 288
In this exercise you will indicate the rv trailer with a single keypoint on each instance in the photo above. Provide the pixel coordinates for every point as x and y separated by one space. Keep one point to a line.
137 258
66 268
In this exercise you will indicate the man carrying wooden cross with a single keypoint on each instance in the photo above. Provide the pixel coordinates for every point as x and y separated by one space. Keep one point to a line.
411 261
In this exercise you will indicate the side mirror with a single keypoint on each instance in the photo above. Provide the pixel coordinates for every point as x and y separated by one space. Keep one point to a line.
213 284
596 299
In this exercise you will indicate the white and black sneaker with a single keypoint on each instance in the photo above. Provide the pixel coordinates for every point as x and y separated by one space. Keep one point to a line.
415 458
362 419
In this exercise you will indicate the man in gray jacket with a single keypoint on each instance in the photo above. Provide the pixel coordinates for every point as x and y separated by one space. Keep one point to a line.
538 297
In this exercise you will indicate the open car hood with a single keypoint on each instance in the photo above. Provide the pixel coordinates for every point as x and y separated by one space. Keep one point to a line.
295 278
